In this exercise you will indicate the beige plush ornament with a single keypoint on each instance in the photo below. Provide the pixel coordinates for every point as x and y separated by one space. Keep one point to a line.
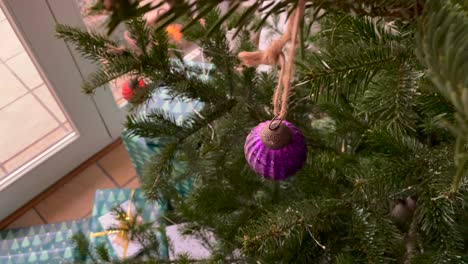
402 212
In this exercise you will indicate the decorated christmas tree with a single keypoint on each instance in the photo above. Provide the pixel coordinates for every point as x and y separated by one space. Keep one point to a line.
360 157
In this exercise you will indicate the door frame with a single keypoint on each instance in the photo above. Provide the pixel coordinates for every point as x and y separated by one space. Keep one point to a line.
96 121
67 12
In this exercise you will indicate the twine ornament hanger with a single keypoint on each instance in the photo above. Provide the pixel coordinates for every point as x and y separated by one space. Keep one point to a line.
274 54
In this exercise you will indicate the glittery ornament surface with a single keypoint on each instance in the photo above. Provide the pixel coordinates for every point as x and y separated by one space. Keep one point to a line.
275 164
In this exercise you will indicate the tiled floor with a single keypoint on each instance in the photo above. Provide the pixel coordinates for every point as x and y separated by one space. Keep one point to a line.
74 200
31 119
24 95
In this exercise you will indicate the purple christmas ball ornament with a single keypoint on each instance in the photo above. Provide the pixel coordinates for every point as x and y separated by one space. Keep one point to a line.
275 150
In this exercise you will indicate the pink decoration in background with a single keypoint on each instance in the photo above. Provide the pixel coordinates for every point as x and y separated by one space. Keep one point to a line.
154 14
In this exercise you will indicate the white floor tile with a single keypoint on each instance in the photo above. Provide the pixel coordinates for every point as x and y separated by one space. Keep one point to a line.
46 97
10 44
2 15
23 122
24 68
10 88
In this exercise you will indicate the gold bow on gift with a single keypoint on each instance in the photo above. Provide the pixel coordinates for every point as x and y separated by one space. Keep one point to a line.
122 238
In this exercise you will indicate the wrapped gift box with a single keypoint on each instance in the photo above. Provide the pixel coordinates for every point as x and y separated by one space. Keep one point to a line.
139 149
181 244
140 152
109 220
178 107
107 199
197 246
48 243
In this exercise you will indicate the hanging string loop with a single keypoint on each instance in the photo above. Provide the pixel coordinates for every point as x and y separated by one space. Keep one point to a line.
274 55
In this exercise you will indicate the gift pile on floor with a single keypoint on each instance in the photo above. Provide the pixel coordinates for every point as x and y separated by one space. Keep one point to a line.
52 243
41 244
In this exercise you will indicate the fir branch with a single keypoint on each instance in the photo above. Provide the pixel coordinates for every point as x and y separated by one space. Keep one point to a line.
379 237
404 9
258 89
348 69
111 70
387 142
437 222
289 225
159 56
158 123
389 101
140 33
358 28
346 118
102 252
142 233
183 86
82 247
252 244
156 174
90 45
432 103
443 41
216 47
207 116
